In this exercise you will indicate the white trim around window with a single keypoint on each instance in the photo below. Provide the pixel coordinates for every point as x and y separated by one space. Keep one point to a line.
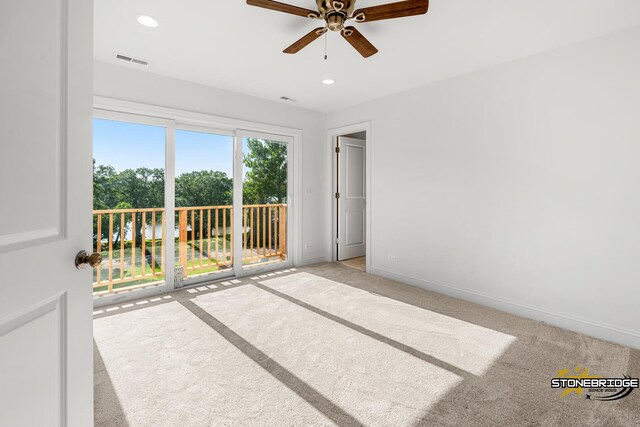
172 119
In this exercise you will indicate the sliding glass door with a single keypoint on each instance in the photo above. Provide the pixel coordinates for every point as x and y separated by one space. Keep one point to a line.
176 205
129 203
204 162
265 195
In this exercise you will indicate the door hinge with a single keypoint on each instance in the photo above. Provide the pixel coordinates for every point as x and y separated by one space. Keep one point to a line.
337 195
337 150
337 241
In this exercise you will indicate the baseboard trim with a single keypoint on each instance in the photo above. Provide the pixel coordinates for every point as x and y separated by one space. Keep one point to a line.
599 330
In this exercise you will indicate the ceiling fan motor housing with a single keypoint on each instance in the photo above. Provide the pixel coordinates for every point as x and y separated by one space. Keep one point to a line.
335 21
335 12
343 7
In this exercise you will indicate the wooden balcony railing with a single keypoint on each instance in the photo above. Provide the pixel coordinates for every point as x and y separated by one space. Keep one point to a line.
132 242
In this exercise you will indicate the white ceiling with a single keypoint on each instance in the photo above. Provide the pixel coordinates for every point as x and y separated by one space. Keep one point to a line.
230 45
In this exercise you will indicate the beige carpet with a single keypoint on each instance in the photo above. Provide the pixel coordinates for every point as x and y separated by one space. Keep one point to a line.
331 345
359 263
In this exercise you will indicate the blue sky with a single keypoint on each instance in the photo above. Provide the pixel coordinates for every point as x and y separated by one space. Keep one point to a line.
131 145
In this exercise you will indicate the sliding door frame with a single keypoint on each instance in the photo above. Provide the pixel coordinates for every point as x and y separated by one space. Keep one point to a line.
172 119
208 277
169 201
238 195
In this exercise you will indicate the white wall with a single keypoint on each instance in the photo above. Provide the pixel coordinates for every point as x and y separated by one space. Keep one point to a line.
132 85
517 186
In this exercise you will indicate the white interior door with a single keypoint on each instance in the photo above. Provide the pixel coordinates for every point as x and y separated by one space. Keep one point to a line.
46 373
351 200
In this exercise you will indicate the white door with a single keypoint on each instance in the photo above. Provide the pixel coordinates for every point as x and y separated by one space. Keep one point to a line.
351 198
46 373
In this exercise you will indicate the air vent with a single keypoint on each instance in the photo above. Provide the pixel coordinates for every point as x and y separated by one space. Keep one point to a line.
286 98
130 59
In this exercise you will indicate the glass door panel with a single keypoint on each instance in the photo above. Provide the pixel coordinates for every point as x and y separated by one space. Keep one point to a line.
204 198
265 189
128 203
227 208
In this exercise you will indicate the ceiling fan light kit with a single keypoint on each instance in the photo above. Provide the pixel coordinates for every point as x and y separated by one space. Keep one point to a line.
336 13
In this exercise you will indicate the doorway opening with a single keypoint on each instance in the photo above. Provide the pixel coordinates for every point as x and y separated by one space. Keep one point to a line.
351 199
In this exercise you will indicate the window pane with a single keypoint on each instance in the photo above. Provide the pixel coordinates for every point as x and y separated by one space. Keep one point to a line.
204 195
128 203
264 197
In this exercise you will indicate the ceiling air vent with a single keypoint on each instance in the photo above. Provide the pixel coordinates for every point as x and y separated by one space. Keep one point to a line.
130 59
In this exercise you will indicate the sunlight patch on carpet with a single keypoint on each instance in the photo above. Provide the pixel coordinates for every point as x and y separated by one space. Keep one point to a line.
465 345
167 367
374 382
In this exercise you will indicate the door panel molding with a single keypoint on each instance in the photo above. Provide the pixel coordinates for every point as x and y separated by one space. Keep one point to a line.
14 323
354 219
349 186
13 241
56 228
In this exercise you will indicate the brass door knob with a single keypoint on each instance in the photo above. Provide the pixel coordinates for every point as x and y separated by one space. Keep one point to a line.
83 259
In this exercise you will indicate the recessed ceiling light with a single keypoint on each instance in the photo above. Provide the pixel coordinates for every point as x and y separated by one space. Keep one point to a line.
148 21
328 82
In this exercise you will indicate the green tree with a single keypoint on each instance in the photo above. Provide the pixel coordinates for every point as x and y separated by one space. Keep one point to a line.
266 177
104 195
265 182
141 188
117 226
204 188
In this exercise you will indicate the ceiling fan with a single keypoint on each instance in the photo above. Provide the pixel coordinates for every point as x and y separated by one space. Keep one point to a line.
337 12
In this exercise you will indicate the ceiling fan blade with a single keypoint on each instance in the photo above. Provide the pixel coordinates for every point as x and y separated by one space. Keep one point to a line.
392 10
306 40
282 7
359 42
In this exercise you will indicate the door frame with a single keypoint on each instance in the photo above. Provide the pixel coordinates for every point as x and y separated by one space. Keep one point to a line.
332 139
116 109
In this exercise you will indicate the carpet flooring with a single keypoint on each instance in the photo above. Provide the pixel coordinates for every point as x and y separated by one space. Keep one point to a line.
331 345
359 263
